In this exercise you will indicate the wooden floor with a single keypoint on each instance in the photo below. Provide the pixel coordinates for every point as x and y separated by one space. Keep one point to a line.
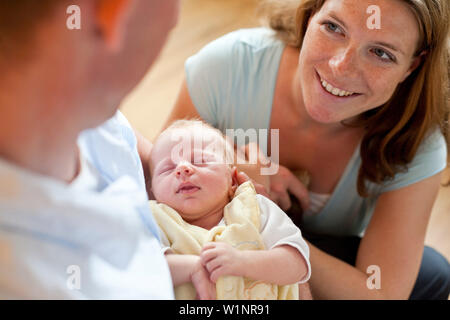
202 21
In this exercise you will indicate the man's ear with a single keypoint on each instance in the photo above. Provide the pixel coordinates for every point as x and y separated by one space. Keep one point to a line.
112 16
416 63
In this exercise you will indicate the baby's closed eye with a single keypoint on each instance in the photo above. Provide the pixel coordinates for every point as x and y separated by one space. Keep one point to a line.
166 169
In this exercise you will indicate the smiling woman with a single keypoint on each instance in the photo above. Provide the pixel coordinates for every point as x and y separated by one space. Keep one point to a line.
363 110
406 107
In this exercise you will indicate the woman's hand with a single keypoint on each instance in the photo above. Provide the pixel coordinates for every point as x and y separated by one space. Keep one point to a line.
280 184
283 183
242 177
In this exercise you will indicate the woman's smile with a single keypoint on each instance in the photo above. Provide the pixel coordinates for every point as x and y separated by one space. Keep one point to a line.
335 91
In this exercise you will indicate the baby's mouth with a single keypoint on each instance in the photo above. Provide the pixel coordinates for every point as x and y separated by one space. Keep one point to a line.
187 188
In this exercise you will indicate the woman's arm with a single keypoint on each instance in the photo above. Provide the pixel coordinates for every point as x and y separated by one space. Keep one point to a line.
281 265
184 107
393 241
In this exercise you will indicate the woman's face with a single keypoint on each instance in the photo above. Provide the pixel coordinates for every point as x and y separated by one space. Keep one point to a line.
345 68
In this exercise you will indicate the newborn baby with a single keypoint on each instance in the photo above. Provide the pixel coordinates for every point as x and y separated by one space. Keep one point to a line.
220 239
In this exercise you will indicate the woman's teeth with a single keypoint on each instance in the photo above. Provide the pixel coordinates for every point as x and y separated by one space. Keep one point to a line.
335 91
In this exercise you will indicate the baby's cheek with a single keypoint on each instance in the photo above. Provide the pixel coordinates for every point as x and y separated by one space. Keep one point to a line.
160 191
221 187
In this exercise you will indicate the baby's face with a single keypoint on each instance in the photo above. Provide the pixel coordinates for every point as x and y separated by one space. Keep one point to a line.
194 180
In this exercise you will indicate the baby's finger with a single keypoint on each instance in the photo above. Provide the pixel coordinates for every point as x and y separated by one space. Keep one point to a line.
209 245
208 255
200 281
217 273
203 291
213 264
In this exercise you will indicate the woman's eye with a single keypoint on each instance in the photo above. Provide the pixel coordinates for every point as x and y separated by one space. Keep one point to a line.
383 55
332 27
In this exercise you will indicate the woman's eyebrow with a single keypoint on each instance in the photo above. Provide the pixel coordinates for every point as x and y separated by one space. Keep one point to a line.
334 16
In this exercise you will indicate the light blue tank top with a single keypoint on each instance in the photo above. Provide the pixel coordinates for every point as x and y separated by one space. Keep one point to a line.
232 81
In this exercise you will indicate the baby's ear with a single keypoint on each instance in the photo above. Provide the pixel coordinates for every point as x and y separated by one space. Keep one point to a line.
148 184
234 181
151 196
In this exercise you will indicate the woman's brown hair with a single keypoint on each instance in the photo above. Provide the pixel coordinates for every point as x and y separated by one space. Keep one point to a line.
420 104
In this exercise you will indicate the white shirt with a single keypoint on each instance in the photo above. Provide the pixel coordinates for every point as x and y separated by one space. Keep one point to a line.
317 201
91 239
276 229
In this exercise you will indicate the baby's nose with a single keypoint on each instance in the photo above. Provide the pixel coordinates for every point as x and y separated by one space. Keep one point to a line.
184 169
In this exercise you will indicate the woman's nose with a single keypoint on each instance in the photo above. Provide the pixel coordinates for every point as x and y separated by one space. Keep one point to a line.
344 63
184 169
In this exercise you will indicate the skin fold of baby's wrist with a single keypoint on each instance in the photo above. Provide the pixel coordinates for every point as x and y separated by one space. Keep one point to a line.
193 264
244 265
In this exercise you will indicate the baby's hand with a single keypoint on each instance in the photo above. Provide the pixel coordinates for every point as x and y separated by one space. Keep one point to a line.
206 290
221 259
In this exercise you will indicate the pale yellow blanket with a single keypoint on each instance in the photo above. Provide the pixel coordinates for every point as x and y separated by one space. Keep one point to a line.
242 219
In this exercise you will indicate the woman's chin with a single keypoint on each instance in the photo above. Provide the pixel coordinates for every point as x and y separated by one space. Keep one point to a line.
321 115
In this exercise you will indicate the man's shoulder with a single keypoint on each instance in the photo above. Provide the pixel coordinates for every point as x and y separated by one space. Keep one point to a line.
114 132
112 149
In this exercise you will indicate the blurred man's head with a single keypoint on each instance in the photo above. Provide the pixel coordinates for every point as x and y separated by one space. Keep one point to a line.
93 68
